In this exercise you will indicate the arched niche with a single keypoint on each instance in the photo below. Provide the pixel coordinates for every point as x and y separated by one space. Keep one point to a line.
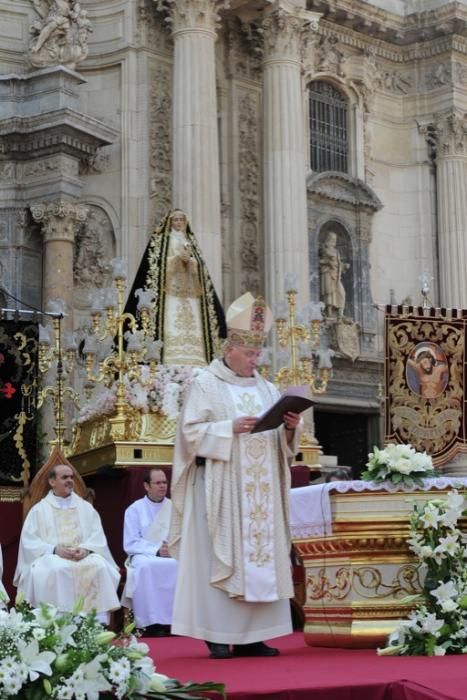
346 204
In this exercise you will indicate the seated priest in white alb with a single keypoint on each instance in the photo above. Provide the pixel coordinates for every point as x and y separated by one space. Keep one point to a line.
63 553
3 594
151 572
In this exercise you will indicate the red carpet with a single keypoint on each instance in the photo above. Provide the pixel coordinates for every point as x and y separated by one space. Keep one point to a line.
312 673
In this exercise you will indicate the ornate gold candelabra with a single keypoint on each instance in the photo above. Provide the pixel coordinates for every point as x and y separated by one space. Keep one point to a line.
307 361
116 347
303 340
53 354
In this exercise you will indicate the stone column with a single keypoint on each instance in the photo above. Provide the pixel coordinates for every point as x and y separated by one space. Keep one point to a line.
285 201
195 135
59 220
450 133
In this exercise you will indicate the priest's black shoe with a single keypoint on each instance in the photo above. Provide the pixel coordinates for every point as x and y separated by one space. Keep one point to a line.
255 649
219 651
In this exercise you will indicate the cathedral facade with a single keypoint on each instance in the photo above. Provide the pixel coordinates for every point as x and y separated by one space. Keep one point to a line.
279 126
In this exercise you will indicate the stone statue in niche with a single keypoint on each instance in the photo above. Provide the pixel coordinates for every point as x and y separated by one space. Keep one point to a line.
331 269
60 36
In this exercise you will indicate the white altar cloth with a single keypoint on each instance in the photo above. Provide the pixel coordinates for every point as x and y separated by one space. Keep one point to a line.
310 506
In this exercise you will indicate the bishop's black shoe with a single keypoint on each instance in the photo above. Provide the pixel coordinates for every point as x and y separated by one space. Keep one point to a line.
219 651
255 649
157 630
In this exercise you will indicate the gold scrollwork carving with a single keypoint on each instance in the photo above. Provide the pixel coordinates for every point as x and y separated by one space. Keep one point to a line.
367 582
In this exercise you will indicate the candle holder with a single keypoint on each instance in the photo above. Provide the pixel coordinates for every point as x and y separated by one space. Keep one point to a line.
130 353
59 356
302 359
300 332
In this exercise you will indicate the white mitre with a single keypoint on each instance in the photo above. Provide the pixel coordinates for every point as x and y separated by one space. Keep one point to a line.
248 321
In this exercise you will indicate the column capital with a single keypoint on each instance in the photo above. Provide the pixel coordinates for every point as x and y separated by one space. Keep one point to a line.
285 28
192 14
446 134
59 219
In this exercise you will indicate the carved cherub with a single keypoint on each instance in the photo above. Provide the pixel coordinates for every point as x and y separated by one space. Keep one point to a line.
61 34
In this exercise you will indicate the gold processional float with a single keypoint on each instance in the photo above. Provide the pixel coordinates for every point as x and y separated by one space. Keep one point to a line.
121 356
357 578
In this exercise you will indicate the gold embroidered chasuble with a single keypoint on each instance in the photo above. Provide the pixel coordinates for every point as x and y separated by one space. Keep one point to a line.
43 576
247 480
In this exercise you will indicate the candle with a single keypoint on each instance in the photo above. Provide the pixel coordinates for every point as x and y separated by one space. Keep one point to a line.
146 299
90 345
44 334
119 268
291 282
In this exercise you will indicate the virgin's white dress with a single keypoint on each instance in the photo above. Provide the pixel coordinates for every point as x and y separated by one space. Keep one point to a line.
183 330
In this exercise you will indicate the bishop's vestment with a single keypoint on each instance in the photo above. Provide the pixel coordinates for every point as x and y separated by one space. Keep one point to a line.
229 524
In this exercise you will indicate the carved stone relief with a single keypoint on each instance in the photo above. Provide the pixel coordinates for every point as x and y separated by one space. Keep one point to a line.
460 73
94 247
437 75
447 134
286 31
7 171
202 14
95 164
244 50
44 167
60 35
329 57
151 31
160 140
249 187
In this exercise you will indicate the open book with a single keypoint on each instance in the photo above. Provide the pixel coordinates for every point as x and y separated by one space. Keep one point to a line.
294 399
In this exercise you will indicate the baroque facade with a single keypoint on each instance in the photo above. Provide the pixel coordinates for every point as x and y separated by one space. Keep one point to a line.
272 123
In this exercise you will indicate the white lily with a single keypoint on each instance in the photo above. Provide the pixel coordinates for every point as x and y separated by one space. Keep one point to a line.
439 651
449 544
445 591
65 635
92 681
37 661
430 516
456 501
158 682
431 624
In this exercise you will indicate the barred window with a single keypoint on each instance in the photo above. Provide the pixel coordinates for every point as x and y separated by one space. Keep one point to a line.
328 128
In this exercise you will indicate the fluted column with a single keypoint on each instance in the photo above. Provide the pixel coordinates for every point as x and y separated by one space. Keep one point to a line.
451 158
285 201
59 220
196 187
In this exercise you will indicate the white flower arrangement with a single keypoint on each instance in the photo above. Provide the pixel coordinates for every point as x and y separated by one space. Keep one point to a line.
71 656
438 626
400 464
165 393
101 405
162 394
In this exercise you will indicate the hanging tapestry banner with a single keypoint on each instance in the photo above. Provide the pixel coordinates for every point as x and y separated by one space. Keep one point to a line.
18 389
425 379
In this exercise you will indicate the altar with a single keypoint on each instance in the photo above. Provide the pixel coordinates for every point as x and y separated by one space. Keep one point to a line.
351 538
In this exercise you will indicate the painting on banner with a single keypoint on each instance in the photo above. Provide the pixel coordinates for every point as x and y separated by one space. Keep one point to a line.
425 379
